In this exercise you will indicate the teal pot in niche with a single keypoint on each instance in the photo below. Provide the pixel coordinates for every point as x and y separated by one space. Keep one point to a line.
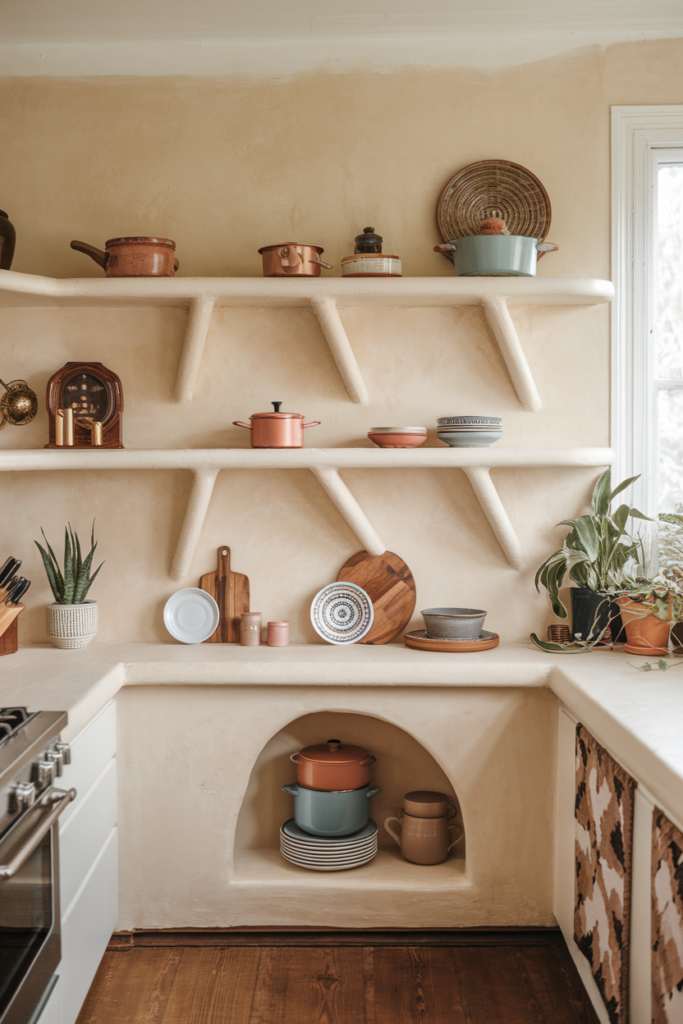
338 813
8 238
592 612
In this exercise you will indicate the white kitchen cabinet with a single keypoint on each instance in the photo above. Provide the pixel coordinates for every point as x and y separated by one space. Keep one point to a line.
50 1011
88 862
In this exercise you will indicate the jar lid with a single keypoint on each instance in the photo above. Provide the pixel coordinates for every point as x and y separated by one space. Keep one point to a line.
334 752
368 241
425 803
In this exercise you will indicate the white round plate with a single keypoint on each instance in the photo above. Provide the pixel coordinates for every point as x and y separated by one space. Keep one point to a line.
328 867
191 615
326 860
342 613
324 855
291 830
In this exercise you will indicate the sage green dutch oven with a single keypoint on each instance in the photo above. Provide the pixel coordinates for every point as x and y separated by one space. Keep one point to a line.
331 814
495 255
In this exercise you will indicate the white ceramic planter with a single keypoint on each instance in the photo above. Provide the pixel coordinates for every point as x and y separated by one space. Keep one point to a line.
71 626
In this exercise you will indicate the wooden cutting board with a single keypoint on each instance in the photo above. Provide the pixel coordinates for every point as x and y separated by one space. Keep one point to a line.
230 591
389 584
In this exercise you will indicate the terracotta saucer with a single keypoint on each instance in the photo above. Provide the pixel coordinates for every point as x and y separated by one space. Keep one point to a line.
419 640
647 652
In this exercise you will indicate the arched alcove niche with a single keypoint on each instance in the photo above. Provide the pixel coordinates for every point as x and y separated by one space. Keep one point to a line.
403 764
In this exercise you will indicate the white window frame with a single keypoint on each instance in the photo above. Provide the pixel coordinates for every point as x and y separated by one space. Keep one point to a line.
640 137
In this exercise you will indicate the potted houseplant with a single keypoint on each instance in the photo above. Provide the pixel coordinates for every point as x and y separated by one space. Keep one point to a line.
671 556
71 622
649 609
600 557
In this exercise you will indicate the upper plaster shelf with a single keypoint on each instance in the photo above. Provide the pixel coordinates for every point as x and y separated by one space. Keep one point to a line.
325 464
324 295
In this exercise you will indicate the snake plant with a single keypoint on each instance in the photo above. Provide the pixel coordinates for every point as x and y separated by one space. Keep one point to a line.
72 585
597 553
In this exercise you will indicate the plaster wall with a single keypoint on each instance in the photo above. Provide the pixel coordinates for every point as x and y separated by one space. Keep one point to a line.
200 771
224 165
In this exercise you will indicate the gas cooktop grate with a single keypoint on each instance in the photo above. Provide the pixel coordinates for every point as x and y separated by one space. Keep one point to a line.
12 719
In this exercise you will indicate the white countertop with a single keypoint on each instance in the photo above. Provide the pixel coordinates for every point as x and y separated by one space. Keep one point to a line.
638 716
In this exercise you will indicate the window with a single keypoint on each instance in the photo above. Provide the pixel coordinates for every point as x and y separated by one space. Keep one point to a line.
647 316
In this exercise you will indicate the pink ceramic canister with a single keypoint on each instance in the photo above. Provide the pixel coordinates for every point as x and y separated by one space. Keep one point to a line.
250 629
278 634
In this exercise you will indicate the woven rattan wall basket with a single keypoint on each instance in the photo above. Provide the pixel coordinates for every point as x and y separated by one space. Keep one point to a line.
493 188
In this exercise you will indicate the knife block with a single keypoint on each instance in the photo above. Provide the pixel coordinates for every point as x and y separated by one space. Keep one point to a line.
9 642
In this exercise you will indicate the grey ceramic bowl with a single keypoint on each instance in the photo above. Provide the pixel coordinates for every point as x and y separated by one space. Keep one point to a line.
468 421
469 438
454 623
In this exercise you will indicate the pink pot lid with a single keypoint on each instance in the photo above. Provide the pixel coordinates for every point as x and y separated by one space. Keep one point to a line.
333 752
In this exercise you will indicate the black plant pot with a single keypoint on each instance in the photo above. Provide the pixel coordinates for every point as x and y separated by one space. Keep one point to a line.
592 612
7 241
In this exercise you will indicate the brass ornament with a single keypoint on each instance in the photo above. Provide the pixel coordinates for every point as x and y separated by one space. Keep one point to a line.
18 405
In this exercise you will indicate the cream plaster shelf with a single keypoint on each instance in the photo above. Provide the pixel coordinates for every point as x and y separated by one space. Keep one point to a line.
387 871
325 296
325 464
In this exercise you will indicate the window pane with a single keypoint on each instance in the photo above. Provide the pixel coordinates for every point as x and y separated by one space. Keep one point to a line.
670 449
670 273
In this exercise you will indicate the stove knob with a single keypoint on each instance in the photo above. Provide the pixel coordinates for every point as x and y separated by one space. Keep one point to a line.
65 750
43 773
57 759
22 797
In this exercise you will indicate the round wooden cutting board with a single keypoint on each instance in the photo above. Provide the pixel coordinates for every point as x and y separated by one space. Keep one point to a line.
389 584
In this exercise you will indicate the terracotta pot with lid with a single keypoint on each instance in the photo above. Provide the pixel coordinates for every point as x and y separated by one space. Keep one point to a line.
276 429
333 766
138 256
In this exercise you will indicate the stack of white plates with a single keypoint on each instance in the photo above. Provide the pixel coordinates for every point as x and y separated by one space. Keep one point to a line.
318 853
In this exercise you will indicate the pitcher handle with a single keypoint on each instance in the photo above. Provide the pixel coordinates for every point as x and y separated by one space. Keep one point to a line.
459 837
451 813
391 831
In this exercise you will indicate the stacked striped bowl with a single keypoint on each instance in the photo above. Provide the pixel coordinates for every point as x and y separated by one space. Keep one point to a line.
469 431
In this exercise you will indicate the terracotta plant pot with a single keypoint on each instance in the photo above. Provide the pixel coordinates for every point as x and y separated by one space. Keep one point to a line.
645 633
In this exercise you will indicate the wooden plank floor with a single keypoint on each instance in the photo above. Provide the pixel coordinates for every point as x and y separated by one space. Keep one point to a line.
319 984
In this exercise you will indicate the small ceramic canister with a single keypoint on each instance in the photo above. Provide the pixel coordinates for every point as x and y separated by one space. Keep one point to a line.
278 634
250 629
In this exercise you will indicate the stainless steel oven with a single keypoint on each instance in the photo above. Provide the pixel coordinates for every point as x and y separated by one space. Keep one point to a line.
31 758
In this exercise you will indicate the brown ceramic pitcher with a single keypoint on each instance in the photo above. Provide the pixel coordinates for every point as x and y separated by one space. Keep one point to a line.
423 840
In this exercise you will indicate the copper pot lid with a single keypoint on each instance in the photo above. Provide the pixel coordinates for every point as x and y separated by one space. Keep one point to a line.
425 800
334 752
139 240
277 415
292 245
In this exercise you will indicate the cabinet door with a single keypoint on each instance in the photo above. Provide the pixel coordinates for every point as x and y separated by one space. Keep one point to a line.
90 752
85 833
50 1012
86 929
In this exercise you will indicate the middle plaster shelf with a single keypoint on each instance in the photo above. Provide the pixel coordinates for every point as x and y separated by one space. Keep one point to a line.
325 464
325 295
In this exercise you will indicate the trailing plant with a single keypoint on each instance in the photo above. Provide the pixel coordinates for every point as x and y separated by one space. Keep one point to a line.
70 586
597 553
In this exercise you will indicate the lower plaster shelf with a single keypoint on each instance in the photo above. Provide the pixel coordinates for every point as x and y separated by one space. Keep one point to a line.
325 295
325 464
388 870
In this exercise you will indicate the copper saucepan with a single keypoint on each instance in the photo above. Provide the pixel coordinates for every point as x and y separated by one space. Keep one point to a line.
292 259
133 256
276 429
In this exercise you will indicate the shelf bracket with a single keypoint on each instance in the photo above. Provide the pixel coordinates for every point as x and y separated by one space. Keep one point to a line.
195 514
500 322
350 509
342 353
199 318
493 509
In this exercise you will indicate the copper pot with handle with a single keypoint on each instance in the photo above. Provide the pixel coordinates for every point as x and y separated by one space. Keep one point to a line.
333 766
276 429
137 256
292 259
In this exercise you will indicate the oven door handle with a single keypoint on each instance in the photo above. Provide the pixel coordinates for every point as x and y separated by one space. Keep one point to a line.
57 800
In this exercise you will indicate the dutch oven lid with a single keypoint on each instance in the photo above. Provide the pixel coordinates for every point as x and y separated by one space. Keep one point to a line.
139 240
292 245
334 752
424 800
277 415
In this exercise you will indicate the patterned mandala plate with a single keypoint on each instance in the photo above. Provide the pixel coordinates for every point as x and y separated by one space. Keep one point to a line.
342 613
